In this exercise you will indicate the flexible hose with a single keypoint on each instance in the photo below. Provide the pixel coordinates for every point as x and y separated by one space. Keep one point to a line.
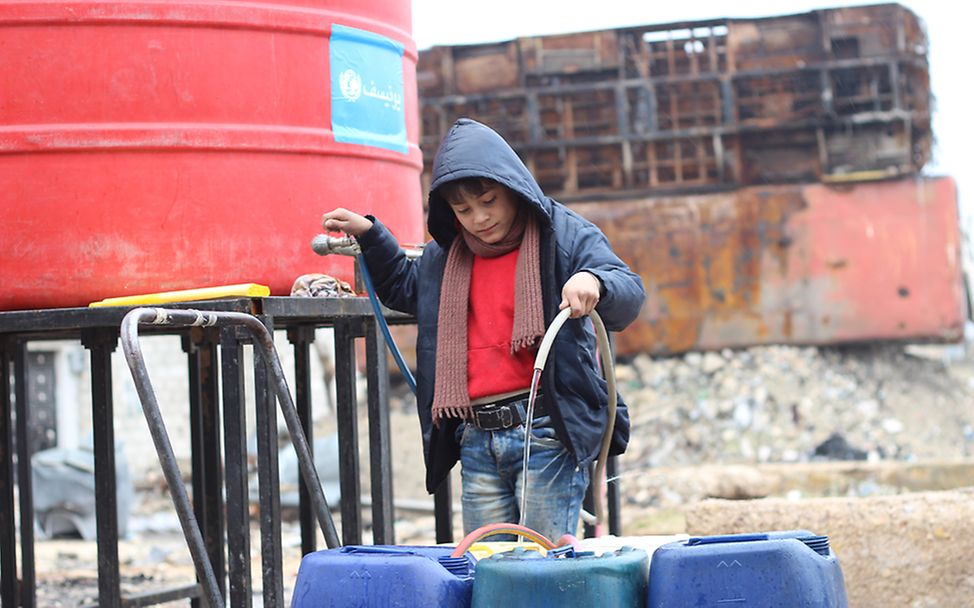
523 531
383 326
608 370
494 529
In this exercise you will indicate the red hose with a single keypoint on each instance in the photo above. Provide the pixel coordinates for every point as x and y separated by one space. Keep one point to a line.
523 531
492 529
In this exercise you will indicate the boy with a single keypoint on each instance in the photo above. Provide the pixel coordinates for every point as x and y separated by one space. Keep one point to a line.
503 261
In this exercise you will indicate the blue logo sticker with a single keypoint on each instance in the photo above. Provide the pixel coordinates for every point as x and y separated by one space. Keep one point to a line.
367 89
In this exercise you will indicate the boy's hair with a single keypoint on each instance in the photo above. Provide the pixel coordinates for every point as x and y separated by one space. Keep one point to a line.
456 191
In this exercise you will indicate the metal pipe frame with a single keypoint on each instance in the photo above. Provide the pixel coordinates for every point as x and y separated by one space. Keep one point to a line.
264 345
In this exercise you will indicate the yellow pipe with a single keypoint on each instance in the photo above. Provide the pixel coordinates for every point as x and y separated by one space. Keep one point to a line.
249 290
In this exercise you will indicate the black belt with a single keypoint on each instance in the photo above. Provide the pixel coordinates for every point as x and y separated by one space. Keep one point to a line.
506 413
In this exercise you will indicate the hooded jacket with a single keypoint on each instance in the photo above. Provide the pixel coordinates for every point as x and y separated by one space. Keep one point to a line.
575 392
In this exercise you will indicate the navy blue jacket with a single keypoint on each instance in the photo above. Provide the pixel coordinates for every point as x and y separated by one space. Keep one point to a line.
574 391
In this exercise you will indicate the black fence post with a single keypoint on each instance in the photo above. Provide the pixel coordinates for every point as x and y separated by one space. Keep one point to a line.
207 470
380 437
101 342
347 410
8 527
28 597
235 452
302 337
268 479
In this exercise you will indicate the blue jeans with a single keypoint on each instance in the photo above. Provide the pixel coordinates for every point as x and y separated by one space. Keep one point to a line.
491 463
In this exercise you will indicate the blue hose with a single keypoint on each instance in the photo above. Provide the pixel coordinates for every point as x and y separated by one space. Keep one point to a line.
381 320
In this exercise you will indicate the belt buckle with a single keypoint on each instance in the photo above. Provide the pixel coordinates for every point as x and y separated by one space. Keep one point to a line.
507 417
494 418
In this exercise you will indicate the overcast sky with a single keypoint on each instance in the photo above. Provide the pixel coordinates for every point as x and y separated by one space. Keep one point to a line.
438 22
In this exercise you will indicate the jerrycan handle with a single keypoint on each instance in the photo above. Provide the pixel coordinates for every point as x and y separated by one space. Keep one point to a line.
725 538
376 550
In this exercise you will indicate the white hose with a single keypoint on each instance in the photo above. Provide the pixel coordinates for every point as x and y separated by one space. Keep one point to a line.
608 371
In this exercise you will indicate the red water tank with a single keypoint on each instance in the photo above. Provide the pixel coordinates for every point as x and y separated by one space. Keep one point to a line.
159 145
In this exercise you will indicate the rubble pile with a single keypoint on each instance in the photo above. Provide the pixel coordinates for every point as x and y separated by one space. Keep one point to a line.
795 404
724 424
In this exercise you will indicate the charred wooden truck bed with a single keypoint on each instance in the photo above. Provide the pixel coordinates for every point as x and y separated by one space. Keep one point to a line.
831 94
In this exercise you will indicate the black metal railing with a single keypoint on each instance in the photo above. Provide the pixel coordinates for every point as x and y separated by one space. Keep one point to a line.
216 377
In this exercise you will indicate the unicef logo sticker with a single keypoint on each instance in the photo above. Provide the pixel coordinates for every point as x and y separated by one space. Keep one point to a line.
351 84
365 88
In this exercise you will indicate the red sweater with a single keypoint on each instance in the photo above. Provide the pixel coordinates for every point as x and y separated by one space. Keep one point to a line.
491 368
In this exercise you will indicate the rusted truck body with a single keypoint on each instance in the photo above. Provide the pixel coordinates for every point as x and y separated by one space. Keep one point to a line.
792 264
762 175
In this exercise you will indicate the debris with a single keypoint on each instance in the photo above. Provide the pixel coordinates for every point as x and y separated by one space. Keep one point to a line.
837 448
320 286
64 491
793 404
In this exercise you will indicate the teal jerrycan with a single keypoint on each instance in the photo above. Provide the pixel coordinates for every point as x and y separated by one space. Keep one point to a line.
564 578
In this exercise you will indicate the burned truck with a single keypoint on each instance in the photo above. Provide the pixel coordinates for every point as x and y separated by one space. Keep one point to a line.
764 176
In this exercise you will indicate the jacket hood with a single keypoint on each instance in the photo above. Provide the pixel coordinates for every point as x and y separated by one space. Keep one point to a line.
472 149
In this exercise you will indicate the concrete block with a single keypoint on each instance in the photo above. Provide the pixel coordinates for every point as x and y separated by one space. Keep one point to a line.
911 550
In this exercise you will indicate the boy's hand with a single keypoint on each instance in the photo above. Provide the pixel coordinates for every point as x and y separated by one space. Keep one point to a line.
343 220
581 293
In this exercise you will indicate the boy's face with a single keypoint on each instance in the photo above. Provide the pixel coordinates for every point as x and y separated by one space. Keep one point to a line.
488 216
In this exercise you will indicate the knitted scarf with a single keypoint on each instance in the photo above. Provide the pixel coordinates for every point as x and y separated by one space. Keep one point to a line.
450 396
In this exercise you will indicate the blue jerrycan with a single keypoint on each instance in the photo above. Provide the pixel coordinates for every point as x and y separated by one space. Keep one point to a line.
364 576
792 568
